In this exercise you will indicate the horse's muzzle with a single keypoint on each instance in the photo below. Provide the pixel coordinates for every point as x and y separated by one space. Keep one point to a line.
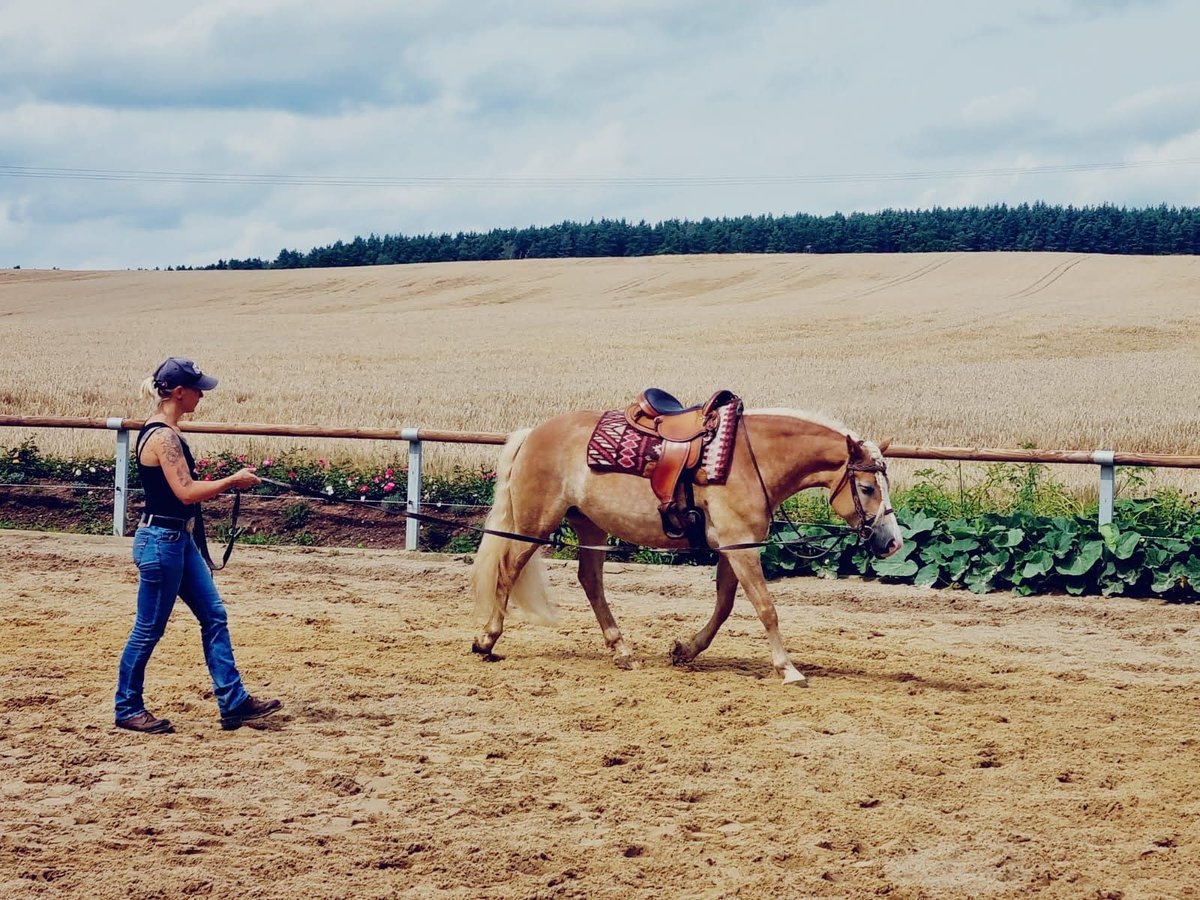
884 551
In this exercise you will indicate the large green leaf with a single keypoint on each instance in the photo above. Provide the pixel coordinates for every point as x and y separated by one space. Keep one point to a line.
1110 532
979 582
895 568
962 545
1037 563
1011 537
1191 570
918 523
1082 561
1126 545
957 567
1173 545
927 575
962 528
1163 581
1059 542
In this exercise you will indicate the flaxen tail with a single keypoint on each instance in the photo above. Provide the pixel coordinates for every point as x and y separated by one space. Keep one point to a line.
529 597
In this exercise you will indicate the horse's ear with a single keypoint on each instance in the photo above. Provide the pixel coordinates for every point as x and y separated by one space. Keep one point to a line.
884 444
853 447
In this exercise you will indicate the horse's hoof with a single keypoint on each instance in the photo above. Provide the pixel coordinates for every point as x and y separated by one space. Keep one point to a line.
628 663
679 655
794 678
486 655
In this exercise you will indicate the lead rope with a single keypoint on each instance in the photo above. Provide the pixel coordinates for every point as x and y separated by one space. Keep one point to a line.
555 540
786 546
234 533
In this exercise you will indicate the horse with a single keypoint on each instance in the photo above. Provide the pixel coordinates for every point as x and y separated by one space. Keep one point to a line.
542 478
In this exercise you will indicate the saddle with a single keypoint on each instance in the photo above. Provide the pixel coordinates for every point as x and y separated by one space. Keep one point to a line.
684 431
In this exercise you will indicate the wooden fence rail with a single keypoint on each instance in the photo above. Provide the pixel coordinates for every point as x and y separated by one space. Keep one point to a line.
1106 460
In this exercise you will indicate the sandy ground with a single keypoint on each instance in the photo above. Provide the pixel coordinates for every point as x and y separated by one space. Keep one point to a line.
949 745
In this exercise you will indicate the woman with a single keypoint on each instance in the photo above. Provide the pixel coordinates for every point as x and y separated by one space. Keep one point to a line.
168 560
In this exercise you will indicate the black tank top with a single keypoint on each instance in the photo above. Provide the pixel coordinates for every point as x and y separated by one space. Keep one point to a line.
160 499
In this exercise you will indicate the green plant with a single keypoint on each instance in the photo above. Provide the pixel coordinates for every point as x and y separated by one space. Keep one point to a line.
296 515
94 515
470 487
463 543
1018 551
24 463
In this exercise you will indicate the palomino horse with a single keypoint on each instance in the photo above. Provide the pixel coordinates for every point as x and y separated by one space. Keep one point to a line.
543 476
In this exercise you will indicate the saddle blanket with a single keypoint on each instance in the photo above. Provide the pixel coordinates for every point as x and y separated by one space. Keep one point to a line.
615 446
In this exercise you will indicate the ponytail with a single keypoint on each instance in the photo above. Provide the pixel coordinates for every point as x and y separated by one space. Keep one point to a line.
150 391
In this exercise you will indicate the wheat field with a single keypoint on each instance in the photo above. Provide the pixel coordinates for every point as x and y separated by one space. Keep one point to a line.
1057 351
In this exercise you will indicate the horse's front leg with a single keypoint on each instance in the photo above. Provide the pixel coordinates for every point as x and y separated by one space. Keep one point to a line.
748 569
591 577
684 652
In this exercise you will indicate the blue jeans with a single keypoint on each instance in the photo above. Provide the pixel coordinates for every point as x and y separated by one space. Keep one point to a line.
171 566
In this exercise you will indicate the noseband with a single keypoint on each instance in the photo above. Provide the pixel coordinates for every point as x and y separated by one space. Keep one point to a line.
866 524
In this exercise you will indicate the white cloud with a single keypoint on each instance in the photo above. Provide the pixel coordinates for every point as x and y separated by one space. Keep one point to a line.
631 89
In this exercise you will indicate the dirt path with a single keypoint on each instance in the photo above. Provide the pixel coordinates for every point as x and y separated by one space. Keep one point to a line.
949 745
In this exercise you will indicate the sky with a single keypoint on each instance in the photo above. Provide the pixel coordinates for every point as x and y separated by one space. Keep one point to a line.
153 132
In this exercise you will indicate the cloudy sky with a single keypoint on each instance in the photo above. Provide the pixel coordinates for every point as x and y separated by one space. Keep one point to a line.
155 132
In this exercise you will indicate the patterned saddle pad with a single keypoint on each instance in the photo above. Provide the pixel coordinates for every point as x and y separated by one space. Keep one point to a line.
615 446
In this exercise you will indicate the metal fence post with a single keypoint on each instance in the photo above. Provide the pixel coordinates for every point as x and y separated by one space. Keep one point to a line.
120 477
1105 460
412 528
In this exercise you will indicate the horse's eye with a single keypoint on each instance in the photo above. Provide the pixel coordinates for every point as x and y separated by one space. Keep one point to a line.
869 490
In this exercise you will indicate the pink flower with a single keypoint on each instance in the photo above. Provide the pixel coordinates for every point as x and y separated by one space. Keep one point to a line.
268 461
390 486
323 463
363 489
389 473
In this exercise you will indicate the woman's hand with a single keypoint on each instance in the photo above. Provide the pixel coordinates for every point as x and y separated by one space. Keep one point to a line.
244 478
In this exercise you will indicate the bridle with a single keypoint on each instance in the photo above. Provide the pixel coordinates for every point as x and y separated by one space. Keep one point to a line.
866 524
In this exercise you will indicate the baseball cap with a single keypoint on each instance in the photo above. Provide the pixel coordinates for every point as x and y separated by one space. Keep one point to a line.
176 372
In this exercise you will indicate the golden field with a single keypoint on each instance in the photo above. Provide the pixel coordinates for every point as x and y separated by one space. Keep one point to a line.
1058 351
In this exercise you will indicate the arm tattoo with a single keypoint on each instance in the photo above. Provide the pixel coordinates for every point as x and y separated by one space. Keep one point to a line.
174 457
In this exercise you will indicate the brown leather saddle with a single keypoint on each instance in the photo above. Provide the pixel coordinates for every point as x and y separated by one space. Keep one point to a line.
685 431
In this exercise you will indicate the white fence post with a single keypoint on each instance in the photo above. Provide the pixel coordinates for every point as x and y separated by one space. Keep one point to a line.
1105 460
412 528
120 477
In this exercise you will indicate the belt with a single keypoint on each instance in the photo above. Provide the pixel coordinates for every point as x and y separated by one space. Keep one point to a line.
168 522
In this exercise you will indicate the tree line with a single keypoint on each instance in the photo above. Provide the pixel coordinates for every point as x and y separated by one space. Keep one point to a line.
1159 230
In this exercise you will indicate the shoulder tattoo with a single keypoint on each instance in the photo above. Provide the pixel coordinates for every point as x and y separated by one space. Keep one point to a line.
172 454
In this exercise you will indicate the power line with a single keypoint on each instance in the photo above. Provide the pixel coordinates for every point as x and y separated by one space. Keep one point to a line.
524 182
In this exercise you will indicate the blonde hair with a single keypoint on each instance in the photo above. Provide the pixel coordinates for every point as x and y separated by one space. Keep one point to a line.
151 391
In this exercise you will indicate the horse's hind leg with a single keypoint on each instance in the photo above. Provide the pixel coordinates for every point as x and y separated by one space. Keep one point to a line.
684 652
511 560
591 577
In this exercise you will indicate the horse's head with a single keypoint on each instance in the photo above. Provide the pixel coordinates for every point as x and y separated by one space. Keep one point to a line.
861 497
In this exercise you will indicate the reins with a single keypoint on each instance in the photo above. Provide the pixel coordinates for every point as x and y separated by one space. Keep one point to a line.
556 539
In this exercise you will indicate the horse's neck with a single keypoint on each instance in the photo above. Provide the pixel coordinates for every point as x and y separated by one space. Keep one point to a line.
794 454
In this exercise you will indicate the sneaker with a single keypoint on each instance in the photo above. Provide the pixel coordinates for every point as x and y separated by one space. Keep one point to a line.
249 709
145 722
